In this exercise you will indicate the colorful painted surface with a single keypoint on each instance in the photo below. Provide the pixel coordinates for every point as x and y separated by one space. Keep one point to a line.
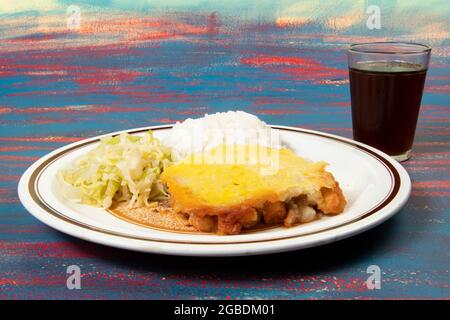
131 64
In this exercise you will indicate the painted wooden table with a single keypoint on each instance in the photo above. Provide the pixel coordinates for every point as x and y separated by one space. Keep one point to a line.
60 82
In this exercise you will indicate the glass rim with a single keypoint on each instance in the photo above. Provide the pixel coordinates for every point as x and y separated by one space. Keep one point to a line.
421 48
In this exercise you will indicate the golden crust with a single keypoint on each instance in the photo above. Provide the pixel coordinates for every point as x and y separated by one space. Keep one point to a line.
333 200
240 196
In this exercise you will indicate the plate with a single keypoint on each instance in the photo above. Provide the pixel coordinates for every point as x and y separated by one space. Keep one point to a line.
374 184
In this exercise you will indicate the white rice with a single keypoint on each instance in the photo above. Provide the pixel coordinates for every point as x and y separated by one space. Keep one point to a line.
232 127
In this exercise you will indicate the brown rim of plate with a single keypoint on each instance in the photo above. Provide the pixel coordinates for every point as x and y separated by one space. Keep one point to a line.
38 199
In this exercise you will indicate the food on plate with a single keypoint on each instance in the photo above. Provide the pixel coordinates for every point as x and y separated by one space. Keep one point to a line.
121 168
228 197
224 173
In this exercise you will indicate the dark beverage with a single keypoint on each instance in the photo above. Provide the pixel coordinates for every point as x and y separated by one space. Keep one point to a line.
386 98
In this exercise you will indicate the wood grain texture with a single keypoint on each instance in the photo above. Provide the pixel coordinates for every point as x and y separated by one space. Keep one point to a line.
128 67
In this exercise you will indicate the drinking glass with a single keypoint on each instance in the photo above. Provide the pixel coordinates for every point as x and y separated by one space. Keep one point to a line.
386 85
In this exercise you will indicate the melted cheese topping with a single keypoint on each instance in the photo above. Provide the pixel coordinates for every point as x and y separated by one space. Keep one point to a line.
232 177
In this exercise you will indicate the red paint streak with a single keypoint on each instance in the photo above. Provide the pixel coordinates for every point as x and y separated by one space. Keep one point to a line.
66 109
278 111
261 101
120 25
433 132
445 89
428 162
52 280
75 109
102 76
436 184
5 110
120 279
141 96
435 119
156 35
44 249
116 36
432 143
144 96
38 37
22 229
427 169
98 109
175 30
9 178
432 107
421 126
42 139
42 120
5 191
430 193
23 148
81 51
18 158
440 112
325 128
437 78
260 61
9 200
317 73
9 165
301 68
339 104
138 29
88 280
431 154
82 75
165 120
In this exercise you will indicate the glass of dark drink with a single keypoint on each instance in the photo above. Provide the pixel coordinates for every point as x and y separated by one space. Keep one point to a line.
386 85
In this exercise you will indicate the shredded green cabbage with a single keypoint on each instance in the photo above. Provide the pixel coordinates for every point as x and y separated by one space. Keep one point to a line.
121 168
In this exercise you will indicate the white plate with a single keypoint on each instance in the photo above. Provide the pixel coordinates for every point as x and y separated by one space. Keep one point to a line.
375 186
